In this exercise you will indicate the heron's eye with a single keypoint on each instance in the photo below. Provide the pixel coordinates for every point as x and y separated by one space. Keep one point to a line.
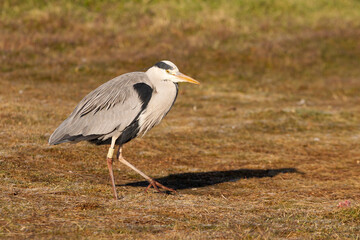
168 71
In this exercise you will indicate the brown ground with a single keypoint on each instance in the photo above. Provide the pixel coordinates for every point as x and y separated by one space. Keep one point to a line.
266 147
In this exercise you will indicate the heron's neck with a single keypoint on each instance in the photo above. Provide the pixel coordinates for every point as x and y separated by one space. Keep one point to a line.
154 75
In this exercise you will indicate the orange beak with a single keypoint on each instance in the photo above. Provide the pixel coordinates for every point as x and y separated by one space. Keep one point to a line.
186 78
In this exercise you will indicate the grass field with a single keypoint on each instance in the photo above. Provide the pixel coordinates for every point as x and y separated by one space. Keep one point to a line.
265 148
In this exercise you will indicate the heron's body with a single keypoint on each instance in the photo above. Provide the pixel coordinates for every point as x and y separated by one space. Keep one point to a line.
122 109
126 106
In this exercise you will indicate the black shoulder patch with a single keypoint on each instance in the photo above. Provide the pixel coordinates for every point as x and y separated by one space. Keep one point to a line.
145 92
163 65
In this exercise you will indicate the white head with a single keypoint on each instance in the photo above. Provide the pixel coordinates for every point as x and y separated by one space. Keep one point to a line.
168 71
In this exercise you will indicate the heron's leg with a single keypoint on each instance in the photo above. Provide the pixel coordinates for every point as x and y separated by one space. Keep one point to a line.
152 182
110 162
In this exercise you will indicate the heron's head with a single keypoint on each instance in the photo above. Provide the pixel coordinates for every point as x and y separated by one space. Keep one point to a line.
166 70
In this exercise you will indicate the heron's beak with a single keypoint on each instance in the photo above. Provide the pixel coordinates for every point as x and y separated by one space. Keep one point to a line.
185 78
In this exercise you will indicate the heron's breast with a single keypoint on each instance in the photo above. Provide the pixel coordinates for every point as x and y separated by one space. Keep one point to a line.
158 106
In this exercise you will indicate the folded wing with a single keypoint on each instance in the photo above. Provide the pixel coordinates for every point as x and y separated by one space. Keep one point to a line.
112 107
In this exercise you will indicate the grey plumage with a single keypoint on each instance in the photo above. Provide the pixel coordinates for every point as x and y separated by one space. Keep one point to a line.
110 108
122 109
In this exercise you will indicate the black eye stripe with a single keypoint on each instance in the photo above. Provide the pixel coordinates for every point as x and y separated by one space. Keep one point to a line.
163 65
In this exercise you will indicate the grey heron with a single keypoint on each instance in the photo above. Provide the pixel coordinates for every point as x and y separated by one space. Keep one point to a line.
121 109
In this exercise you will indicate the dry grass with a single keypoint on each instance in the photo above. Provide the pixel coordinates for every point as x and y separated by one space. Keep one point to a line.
265 148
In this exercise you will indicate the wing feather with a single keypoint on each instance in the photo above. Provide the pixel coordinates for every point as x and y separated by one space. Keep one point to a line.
111 107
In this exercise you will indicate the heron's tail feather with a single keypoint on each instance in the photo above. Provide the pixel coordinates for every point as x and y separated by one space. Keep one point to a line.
58 137
68 132
64 133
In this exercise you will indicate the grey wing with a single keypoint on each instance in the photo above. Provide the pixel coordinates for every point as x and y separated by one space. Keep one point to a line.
110 108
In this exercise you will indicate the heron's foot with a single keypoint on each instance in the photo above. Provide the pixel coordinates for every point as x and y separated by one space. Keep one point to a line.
158 185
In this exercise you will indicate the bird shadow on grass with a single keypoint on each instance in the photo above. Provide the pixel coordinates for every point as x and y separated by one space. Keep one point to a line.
202 179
